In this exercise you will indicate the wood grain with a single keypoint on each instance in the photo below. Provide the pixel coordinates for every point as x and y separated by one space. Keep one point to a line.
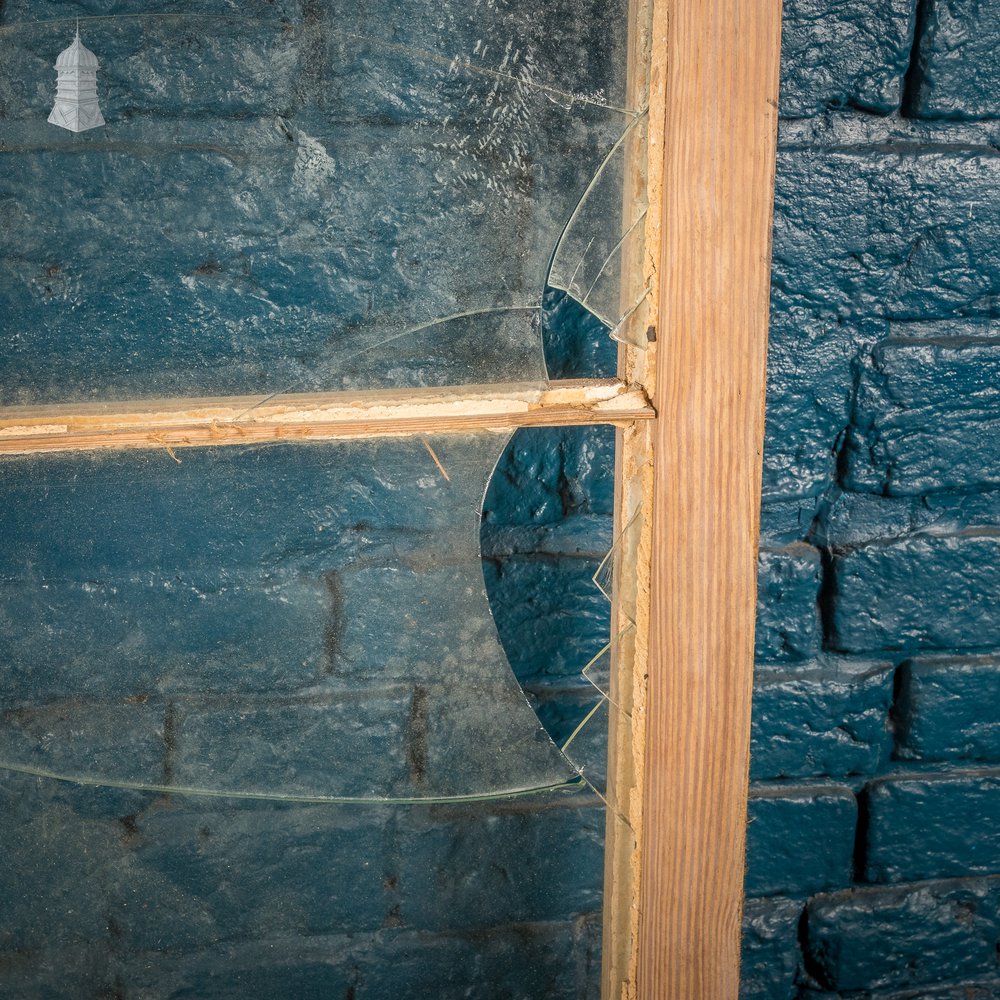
721 88
235 420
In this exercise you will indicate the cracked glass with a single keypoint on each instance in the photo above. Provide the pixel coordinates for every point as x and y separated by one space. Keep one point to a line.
306 622
307 197
206 651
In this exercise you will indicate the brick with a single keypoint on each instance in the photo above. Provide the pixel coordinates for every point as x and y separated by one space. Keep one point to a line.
551 615
525 486
788 626
787 520
588 470
577 343
921 592
588 941
822 721
939 709
118 739
548 959
926 417
770 959
835 54
477 866
879 135
548 474
437 599
854 519
589 535
907 936
60 867
164 633
786 825
932 826
242 870
958 69
352 744
809 394
904 230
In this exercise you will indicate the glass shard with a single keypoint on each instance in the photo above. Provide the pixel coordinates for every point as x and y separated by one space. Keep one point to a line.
285 621
587 746
598 260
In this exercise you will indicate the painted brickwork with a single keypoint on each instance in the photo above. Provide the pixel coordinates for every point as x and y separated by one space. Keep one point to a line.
873 856
873 853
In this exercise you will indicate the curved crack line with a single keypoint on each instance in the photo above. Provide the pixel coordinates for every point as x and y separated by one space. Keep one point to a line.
409 332
570 785
626 134
607 260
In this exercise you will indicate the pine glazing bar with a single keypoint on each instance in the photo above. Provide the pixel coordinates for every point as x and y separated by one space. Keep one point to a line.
231 420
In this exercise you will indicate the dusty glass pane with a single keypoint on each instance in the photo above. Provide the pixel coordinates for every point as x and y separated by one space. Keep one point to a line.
599 255
327 196
284 621
173 898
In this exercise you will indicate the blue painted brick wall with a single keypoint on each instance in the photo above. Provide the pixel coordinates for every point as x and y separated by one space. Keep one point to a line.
882 454
872 743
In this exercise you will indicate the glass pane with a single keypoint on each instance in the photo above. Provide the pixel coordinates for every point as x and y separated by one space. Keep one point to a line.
174 898
259 739
283 621
331 196
599 256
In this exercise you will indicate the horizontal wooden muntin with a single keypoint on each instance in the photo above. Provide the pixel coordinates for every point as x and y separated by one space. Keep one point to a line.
317 416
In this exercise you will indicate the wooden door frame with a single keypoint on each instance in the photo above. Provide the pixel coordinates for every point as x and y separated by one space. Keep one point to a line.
687 507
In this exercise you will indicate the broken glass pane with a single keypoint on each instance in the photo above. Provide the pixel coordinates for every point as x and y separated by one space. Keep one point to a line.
283 621
334 196
293 195
599 257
